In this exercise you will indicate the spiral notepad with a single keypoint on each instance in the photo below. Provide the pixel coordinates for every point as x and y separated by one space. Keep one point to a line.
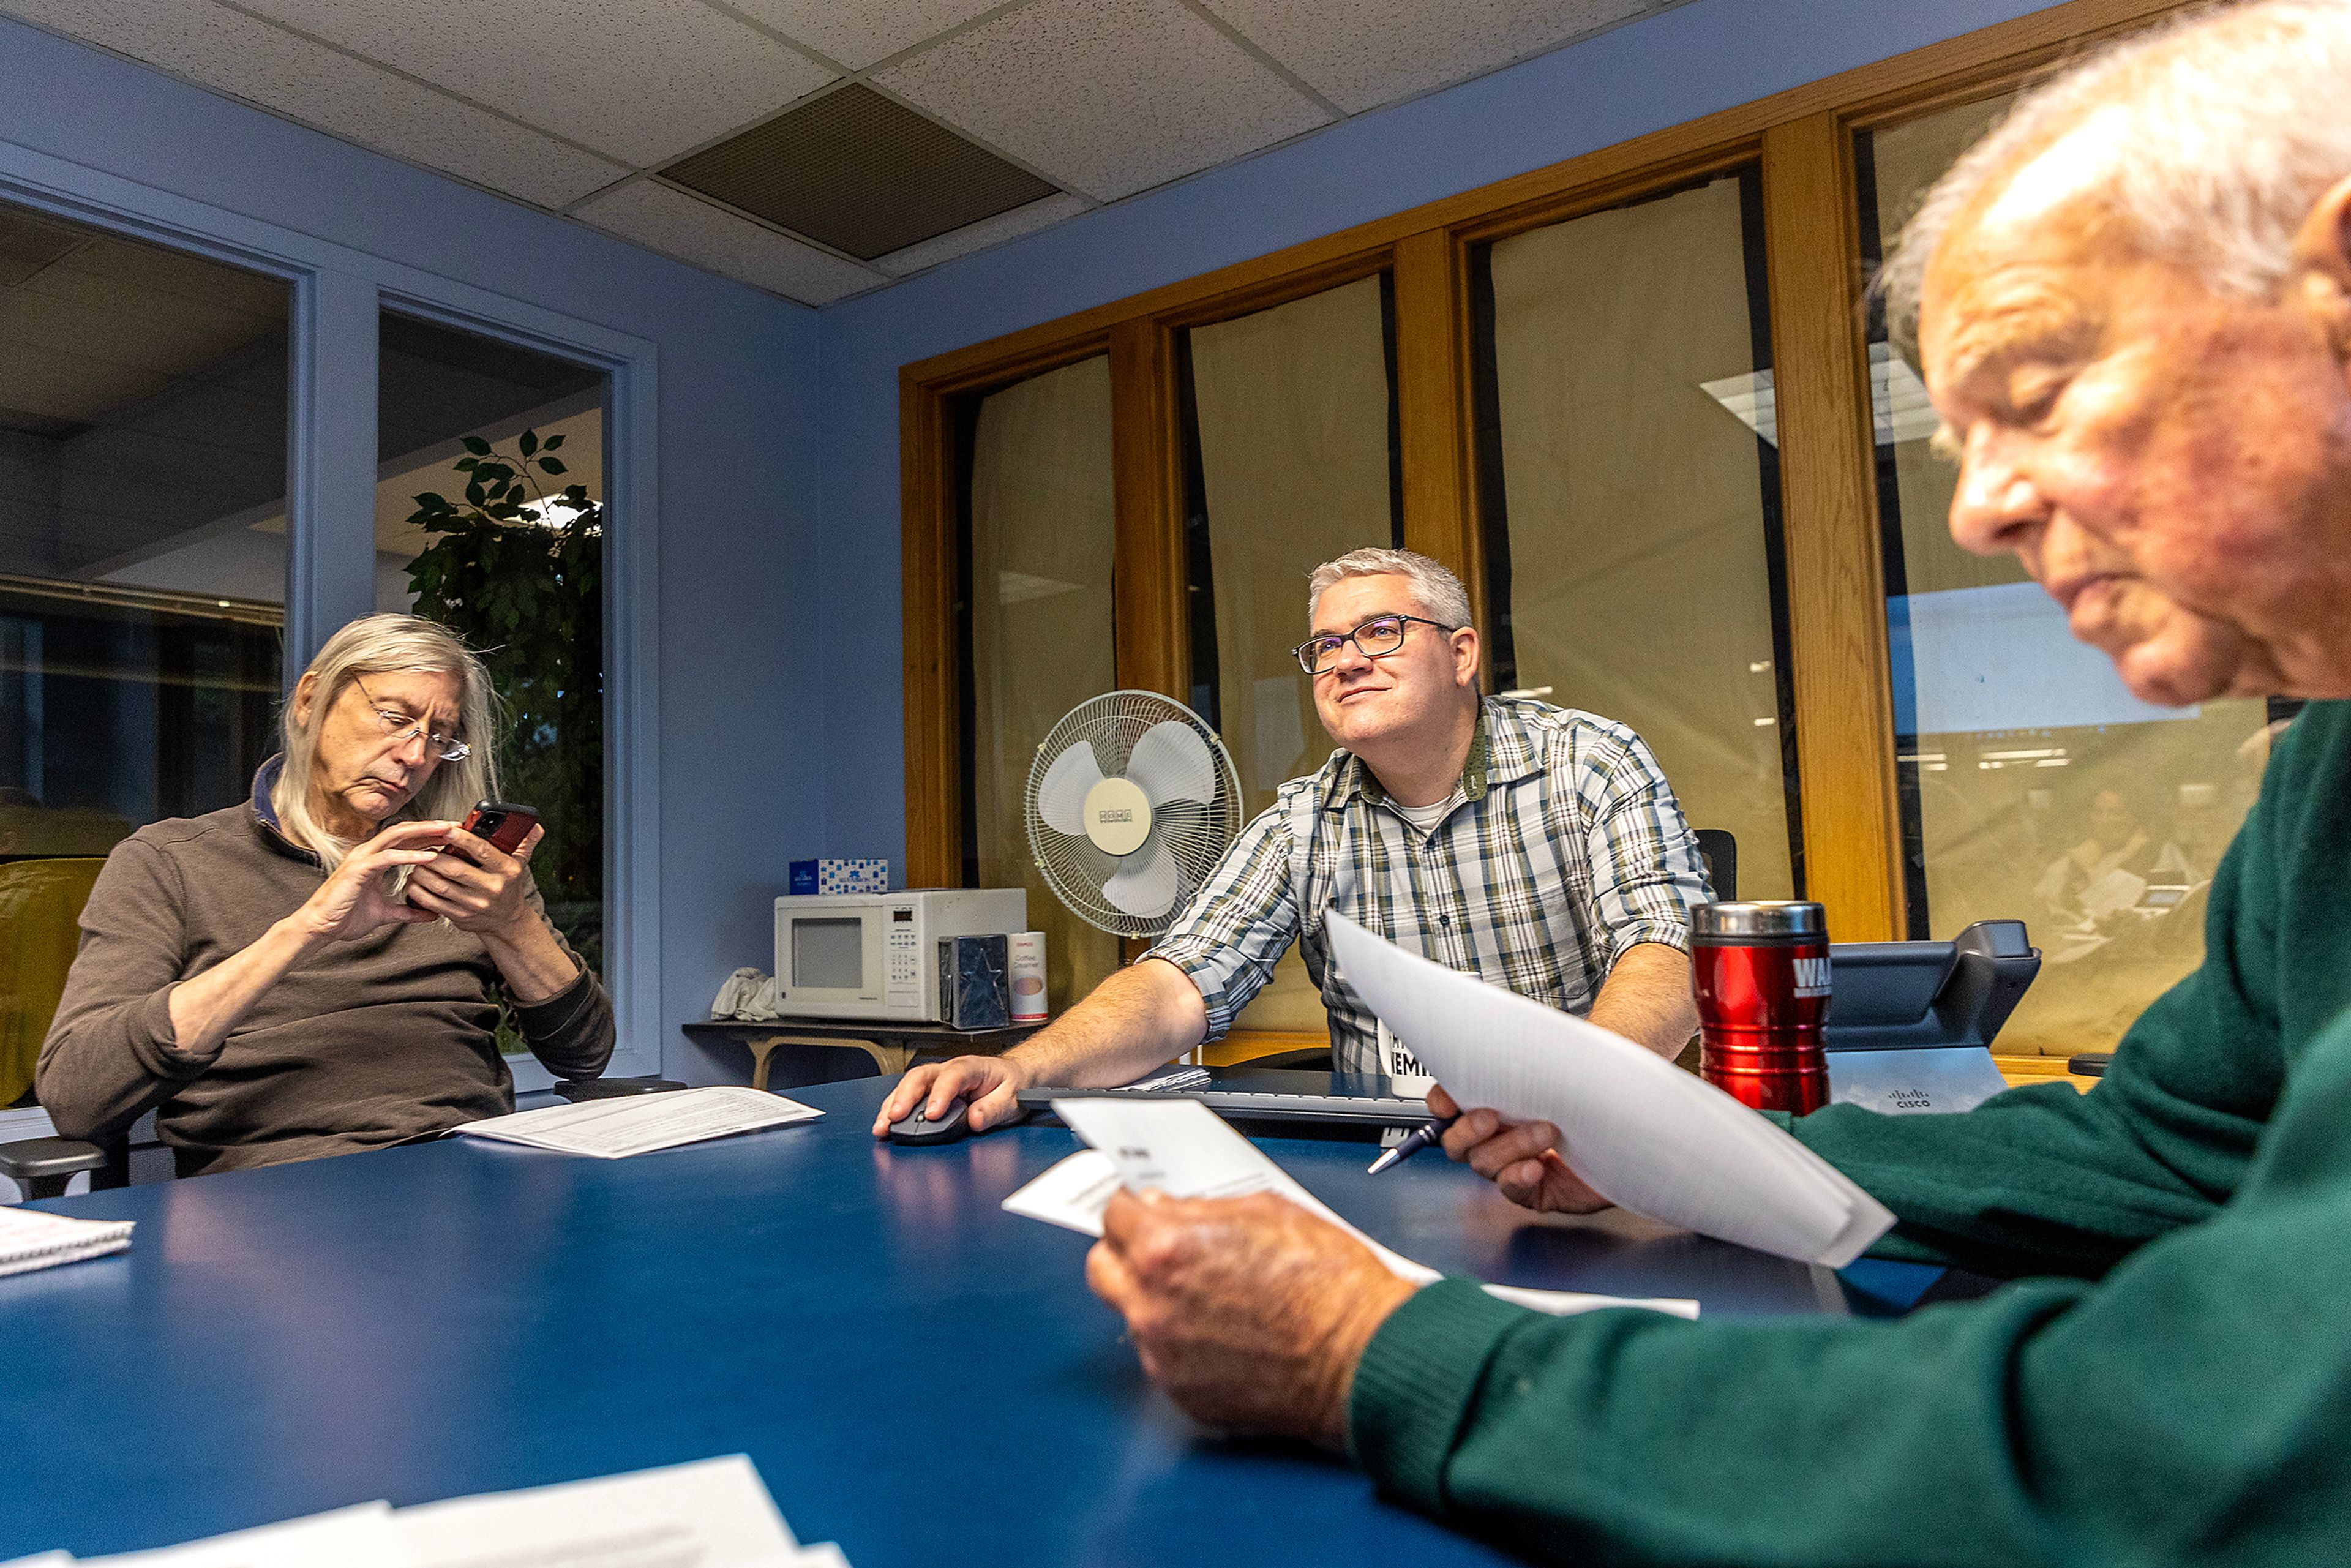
32 1239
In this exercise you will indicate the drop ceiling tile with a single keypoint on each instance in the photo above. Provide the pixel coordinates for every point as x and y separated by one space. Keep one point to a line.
1107 97
980 235
637 81
1360 54
676 223
858 35
219 48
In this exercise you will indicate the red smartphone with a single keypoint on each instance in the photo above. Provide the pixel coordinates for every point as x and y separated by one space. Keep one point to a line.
502 822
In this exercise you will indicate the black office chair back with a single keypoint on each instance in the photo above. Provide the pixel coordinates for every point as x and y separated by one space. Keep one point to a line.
1719 852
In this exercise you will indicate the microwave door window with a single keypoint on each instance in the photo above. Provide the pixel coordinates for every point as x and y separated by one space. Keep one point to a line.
829 955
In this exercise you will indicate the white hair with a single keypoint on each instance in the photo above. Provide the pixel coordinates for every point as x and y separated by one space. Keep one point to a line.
376 644
2212 137
1439 592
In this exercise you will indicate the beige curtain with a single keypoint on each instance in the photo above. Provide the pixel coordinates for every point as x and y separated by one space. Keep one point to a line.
1639 586
1292 404
1041 624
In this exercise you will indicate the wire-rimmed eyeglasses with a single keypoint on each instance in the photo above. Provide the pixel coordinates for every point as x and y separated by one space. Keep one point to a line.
1374 639
400 729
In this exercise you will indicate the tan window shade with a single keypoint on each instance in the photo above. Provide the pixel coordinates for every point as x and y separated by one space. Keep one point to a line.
1634 577
1039 626
1293 415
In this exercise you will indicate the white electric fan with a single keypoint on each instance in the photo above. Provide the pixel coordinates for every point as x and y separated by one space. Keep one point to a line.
1131 801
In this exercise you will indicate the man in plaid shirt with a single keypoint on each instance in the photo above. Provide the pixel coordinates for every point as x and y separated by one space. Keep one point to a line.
1536 847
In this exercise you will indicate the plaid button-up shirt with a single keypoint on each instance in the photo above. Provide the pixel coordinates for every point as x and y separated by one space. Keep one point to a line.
1564 848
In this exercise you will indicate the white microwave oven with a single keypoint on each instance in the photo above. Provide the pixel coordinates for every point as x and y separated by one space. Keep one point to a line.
876 954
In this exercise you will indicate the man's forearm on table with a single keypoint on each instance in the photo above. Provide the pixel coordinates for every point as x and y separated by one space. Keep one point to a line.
1135 1020
1647 999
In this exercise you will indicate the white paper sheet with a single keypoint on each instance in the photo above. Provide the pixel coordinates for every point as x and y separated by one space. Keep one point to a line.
713 1513
34 1238
1185 1150
1646 1136
640 1123
356 1537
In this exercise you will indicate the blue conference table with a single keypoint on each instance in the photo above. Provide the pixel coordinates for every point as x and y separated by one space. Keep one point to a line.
917 1374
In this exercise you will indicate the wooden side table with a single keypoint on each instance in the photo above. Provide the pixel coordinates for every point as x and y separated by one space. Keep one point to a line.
892 1046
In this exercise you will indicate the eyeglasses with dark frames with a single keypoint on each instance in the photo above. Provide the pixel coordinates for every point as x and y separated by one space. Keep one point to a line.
400 729
1374 639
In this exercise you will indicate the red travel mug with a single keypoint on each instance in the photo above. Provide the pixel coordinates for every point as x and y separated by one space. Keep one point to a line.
1762 974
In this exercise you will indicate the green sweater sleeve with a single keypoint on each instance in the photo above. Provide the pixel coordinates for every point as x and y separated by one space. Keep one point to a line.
2190 1408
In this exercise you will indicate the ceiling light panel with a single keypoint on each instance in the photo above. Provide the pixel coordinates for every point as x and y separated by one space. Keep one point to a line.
855 35
635 81
859 172
1361 53
1107 96
662 219
980 235
219 48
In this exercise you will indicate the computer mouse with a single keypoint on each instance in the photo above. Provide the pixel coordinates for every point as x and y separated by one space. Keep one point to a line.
918 1129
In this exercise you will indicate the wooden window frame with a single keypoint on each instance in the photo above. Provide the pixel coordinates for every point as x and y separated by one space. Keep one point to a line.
1803 140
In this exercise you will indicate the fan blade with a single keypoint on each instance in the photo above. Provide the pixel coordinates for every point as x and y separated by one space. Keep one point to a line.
1061 796
1145 883
1171 762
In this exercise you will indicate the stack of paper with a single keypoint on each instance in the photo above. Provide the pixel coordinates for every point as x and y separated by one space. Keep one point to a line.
1184 1149
30 1238
1644 1134
640 1123
712 1514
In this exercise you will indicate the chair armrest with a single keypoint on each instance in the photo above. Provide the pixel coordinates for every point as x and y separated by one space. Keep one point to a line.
42 1167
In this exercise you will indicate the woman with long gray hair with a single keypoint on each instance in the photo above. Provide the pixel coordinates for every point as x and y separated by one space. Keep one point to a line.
308 972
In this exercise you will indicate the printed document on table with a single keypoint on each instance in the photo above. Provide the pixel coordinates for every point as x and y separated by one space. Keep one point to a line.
1185 1150
640 1123
1646 1136
713 1513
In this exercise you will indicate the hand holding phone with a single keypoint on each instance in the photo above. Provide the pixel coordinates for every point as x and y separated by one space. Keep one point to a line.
504 824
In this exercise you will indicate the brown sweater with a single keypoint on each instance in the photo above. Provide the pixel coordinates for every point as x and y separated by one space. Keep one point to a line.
368 1043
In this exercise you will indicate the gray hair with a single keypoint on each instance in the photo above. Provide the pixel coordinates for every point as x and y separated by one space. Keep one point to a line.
379 644
2215 135
1439 592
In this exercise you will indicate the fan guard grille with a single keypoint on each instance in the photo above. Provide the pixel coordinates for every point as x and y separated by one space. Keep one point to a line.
1197 833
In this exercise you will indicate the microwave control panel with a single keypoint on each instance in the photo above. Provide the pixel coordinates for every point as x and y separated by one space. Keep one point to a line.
902 965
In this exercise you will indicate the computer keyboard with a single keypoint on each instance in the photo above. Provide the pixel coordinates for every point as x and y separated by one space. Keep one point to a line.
1330 1098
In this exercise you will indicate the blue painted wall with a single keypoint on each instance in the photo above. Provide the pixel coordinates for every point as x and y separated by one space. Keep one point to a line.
742 669
1652 73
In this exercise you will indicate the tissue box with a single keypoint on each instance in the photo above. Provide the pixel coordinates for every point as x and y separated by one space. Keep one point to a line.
973 993
840 876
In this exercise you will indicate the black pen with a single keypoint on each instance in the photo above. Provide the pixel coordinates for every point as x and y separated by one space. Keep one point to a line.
1419 1138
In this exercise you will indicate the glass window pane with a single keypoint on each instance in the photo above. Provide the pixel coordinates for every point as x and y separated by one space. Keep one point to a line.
143 568
1630 496
2035 786
1036 613
518 572
1292 460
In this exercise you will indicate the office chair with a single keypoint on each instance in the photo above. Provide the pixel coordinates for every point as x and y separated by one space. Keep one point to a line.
1719 852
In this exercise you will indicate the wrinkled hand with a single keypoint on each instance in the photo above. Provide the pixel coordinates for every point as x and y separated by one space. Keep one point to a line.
486 894
1520 1158
352 903
1250 1311
985 1083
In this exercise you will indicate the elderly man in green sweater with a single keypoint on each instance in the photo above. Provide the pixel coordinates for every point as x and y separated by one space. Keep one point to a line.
2134 302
